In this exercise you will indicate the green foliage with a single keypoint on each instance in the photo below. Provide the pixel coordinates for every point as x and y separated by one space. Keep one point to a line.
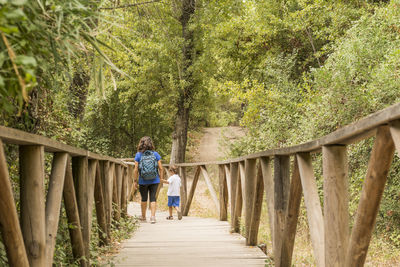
39 39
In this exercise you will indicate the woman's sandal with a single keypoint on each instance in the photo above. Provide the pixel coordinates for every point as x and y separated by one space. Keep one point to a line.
170 218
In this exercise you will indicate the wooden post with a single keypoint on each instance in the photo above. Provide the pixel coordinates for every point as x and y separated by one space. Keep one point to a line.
223 194
117 192
228 180
131 190
81 180
281 192
313 205
119 174
31 159
289 233
100 207
395 132
71 209
53 203
182 171
238 205
371 195
336 204
240 194
92 166
257 205
10 230
234 168
106 169
269 192
109 194
124 199
249 192
192 189
210 187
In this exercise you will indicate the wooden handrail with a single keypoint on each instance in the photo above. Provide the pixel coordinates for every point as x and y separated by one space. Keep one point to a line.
17 137
248 177
79 177
352 133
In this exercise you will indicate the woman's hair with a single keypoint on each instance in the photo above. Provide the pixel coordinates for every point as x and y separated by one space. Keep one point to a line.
145 143
173 169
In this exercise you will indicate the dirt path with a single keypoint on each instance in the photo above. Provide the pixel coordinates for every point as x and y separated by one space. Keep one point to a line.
212 146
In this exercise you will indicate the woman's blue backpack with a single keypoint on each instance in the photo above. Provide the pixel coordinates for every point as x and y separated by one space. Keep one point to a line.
148 165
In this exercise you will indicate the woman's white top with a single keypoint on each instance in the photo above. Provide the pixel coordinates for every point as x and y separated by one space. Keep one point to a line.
174 185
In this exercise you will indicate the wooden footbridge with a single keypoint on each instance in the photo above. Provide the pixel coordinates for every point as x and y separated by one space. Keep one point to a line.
84 180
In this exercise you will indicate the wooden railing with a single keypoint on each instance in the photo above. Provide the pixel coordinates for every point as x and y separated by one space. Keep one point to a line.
80 177
243 182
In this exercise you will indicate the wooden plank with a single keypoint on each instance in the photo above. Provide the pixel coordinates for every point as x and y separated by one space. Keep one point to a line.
92 166
31 160
18 137
238 204
313 205
124 193
250 180
349 134
10 231
210 187
191 193
336 204
117 188
228 179
106 177
395 132
289 233
223 194
71 209
115 207
256 209
109 195
234 174
100 206
281 193
182 172
119 184
242 181
269 192
192 241
53 203
161 185
81 177
371 195
131 188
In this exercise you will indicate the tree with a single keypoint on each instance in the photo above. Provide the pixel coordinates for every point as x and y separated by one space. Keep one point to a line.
187 85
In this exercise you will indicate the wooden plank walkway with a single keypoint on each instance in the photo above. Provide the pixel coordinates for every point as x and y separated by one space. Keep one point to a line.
191 241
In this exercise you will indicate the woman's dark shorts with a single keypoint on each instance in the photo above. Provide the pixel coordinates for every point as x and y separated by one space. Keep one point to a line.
147 189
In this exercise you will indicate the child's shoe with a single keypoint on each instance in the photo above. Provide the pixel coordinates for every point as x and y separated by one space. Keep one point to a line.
153 220
170 218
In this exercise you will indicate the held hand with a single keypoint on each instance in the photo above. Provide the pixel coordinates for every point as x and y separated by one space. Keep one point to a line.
135 185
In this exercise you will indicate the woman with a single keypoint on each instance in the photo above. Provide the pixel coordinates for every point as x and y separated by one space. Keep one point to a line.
148 169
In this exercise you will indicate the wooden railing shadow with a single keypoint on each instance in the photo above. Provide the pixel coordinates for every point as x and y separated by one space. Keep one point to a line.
80 177
244 181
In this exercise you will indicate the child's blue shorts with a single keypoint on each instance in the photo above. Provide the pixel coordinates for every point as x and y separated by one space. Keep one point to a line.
173 201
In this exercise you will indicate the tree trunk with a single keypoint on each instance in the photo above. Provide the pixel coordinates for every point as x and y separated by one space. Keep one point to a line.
179 137
79 91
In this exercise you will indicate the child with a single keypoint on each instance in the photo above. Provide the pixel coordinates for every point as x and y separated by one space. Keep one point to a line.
173 192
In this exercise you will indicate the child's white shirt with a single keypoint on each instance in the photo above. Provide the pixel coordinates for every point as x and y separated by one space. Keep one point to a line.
174 185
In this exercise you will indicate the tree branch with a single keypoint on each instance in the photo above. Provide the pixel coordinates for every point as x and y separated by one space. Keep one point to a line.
132 5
